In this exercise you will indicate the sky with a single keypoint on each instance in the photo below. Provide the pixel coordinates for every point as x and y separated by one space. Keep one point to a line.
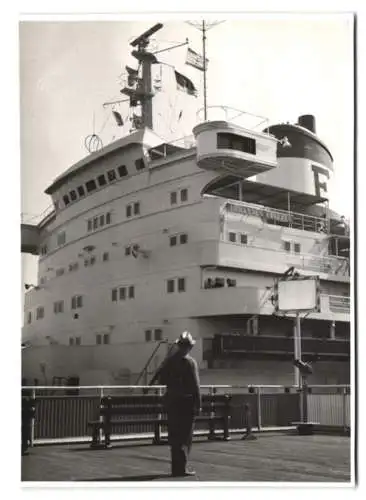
278 66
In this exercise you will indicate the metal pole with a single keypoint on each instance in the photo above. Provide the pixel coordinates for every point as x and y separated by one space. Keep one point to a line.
32 424
297 348
259 408
204 70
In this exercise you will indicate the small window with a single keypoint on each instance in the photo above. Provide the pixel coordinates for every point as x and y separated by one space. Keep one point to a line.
95 223
106 338
81 190
86 262
287 246
91 185
181 284
92 260
111 174
297 247
71 340
184 195
114 295
73 302
122 293
29 318
101 220
108 218
243 239
101 180
148 335
183 238
128 250
170 286
173 241
98 339
140 164
173 198
128 210
77 340
105 256
73 195
90 224
131 292
40 313
232 237
66 199
158 334
136 208
122 171
79 301
61 238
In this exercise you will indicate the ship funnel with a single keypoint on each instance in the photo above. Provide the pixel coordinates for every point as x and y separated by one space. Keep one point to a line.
308 122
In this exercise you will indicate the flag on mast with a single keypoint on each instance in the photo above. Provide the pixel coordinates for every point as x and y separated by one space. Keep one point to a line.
195 60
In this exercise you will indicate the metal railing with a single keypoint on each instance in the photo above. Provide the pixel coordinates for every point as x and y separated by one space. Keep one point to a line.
339 303
276 216
62 417
235 116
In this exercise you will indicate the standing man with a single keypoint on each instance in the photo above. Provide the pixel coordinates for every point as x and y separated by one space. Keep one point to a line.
183 402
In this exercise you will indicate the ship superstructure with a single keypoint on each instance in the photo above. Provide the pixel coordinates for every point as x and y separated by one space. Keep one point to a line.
149 237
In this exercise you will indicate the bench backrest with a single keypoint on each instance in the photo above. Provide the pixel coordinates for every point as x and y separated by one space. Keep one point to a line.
154 404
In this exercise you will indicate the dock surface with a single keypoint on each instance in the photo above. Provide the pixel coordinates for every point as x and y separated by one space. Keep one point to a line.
271 457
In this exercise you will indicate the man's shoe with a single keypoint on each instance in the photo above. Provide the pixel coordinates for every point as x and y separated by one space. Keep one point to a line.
184 473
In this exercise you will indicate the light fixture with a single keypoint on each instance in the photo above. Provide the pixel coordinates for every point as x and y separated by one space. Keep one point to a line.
27 286
285 143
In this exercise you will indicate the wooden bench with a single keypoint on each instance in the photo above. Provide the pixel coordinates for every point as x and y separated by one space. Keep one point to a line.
131 410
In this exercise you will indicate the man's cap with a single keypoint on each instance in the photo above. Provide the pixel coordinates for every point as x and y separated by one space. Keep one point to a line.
185 338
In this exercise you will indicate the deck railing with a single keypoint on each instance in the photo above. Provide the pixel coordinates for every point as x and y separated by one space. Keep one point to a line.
61 416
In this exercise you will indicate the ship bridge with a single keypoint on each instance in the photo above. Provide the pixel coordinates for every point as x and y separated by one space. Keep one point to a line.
230 140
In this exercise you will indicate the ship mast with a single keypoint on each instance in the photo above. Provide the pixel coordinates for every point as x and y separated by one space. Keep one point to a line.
143 93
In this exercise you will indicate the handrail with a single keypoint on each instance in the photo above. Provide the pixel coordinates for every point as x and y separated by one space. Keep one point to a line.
204 386
149 360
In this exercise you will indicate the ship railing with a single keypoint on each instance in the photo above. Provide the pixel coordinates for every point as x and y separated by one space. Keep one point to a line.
235 116
35 219
339 303
276 216
328 264
62 413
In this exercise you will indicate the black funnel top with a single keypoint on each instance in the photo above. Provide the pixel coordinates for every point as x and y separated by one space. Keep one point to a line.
307 121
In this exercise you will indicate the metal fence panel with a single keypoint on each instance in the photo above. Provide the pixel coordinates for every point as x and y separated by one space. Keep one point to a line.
329 409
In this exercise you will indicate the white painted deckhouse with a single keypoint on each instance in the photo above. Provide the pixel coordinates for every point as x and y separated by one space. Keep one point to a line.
147 238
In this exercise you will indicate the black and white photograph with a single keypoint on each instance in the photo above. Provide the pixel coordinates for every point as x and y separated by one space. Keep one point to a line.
187 231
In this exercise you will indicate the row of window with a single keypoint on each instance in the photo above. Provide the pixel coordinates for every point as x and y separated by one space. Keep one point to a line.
58 307
238 237
243 239
227 140
176 285
133 209
291 246
219 283
100 181
99 221
123 293
182 195
100 339
178 239
154 334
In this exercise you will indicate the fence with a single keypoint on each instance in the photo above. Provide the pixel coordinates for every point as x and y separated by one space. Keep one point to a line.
63 413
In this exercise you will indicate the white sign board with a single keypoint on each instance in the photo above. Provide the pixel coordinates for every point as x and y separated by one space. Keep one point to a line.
298 295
